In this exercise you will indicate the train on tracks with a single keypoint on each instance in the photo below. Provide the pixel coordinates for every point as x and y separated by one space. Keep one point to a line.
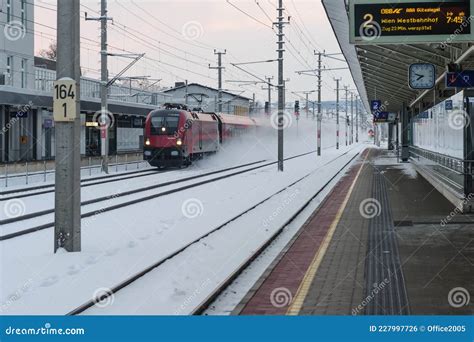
175 136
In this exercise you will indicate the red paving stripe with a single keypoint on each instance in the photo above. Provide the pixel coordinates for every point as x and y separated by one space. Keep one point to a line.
290 270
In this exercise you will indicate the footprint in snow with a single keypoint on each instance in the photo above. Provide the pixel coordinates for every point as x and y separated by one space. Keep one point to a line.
144 237
111 252
49 281
74 269
131 244
92 260
178 292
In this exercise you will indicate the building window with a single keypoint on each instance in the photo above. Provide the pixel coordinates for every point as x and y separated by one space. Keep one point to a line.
23 73
8 72
23 12
9 10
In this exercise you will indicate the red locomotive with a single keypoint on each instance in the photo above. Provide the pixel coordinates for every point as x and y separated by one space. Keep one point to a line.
175 136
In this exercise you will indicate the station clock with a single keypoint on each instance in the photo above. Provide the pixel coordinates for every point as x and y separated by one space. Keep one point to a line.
422 76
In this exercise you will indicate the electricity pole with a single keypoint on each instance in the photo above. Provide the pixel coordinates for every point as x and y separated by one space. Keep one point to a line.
337 112
104 80
281 86
219 68
319 76
318 128
67 213
357 119
352 118
346 115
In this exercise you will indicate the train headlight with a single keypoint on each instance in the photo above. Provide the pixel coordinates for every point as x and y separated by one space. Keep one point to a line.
147 142
179 142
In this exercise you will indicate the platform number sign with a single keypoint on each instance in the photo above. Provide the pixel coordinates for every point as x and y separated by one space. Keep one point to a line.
64 100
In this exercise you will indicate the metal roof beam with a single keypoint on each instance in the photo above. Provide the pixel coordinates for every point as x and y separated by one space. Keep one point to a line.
383 80
386 57
375 63
395 76
428 50
392 89
413 57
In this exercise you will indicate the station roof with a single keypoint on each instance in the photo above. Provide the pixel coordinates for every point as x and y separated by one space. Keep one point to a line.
171 90
381 71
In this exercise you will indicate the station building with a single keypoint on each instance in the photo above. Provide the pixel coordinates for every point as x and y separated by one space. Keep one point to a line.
207 98
26 82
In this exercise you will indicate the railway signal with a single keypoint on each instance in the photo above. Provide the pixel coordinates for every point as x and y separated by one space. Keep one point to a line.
267 108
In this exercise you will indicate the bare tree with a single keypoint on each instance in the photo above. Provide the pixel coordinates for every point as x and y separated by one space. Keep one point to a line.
51 52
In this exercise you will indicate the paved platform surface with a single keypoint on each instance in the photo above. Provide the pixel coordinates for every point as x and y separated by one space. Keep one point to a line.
379 244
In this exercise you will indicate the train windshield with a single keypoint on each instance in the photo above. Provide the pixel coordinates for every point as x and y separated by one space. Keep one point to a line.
164 124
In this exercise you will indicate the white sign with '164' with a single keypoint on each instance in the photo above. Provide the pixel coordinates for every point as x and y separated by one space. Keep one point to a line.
64 99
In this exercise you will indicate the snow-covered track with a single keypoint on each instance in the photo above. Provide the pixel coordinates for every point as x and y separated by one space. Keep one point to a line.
215 292
32 191
106 199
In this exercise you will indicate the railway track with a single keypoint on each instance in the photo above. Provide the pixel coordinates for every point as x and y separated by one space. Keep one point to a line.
50 224
210 298
27 192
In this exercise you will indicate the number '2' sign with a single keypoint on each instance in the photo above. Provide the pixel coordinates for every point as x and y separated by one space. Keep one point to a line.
64 99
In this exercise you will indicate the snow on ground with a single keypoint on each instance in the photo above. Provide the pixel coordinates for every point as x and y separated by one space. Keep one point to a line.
117 244
407 169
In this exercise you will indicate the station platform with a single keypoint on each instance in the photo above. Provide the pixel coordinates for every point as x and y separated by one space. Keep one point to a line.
383 242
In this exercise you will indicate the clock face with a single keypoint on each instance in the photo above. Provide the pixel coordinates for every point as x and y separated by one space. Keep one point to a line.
422 76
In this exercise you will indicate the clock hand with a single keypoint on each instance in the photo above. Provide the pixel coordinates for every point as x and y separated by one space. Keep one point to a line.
419 76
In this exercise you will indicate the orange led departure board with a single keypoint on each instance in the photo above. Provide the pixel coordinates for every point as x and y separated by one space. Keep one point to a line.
407 22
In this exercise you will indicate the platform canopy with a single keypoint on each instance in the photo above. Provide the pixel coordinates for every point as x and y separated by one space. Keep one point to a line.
380 71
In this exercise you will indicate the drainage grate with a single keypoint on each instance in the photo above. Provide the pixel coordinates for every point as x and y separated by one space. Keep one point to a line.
385 291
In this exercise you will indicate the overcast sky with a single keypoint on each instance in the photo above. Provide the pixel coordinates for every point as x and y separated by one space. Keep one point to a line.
179 36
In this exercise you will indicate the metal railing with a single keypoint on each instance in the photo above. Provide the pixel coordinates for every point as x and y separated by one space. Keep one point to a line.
90 88
24 175
451 171
452 163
